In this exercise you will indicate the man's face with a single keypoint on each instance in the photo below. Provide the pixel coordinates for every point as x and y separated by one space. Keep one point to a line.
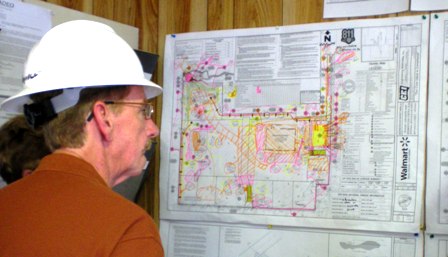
132 134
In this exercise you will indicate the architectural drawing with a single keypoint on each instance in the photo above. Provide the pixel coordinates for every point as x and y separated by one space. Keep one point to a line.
216 240
298 125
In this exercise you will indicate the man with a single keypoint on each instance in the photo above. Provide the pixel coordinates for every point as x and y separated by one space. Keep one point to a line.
87 89
21 148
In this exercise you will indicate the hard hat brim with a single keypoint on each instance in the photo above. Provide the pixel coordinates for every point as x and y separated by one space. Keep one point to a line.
15 103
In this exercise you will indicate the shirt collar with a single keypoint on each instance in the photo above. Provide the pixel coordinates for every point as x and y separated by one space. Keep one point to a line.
67 163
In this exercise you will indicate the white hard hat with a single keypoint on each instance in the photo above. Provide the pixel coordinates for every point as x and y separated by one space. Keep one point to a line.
76 55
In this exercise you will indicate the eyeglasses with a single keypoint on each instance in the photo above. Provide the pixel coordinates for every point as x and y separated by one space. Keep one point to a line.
148 108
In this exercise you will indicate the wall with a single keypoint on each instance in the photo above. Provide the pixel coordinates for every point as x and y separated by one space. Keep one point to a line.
157 18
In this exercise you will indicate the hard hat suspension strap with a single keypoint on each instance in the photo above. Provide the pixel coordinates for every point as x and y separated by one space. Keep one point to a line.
39 113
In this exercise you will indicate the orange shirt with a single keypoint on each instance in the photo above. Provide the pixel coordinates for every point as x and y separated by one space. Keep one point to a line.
66 209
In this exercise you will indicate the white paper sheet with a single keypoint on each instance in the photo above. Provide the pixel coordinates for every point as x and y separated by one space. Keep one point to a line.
357 8
21 26
437 152
436 245
428 5
216 240
319 125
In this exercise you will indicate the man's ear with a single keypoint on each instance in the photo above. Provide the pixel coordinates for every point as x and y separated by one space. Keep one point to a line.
102 117
26 172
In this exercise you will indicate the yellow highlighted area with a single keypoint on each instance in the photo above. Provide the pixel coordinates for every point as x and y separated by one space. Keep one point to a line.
232 94
319 135
248 190
320 152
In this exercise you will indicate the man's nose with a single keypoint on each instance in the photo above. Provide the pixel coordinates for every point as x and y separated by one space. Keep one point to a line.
152 129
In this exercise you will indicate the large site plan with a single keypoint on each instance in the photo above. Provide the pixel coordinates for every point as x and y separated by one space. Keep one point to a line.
319 125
